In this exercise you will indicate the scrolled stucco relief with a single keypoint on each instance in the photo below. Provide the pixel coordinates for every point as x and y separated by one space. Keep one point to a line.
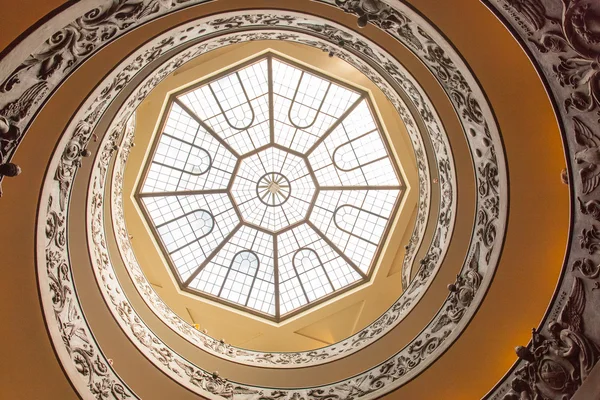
26 88
388 376
563 40
79 353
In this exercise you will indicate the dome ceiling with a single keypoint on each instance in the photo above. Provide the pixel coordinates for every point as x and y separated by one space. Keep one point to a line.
271 187
271 198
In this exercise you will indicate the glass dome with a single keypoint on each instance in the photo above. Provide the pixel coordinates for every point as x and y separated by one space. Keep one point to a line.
270 187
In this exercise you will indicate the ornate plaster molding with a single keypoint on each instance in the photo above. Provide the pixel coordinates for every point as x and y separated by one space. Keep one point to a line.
563 40
37 72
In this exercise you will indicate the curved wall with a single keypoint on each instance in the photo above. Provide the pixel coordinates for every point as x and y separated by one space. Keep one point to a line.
526 120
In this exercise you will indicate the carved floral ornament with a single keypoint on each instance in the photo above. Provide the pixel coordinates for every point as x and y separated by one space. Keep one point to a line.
74 342
562 37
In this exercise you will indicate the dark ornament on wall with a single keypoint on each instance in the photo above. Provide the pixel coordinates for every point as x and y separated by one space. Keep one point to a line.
555 366
587 267
462 292
10 170
381 15
366 10
588 159
10 116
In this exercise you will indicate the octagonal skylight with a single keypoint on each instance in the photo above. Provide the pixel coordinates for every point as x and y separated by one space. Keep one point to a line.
270 187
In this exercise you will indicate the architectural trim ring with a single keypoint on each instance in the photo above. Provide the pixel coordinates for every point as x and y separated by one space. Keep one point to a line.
383 324
471 282
483 256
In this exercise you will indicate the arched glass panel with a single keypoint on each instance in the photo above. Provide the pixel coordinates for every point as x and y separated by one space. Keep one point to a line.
240 277
232 99
186 229
359 152
312 274
360 223
196 162
308 100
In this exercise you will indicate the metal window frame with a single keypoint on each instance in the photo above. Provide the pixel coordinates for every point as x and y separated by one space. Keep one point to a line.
278 317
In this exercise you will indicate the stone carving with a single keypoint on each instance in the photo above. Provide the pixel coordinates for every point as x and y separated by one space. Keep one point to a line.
13 112
575 32
563 39
381 15
462 293
555 365
76 336
532 10
591 208
590 239
367 10
10 134
587 268
70 162
588 159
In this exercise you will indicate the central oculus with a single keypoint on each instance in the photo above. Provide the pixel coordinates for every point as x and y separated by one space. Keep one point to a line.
273 189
